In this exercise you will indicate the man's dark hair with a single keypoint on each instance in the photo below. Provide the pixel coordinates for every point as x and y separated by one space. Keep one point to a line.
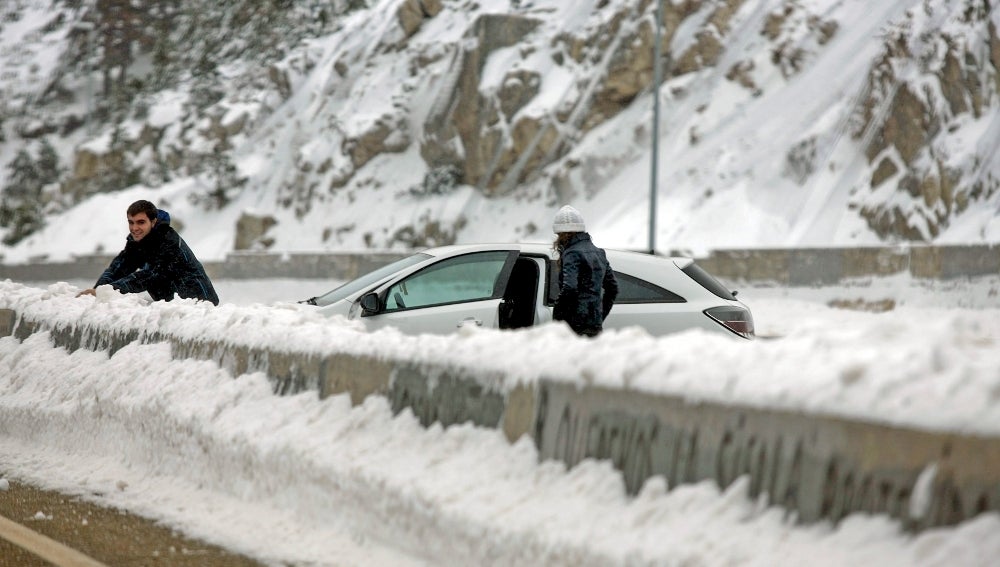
142 207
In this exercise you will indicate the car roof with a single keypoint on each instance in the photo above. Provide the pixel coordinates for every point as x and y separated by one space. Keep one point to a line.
545 249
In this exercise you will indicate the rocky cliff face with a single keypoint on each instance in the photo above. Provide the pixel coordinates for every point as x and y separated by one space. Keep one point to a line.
937 73
497 98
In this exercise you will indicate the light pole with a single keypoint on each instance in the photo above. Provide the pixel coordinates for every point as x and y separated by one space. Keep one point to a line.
655 157
88 27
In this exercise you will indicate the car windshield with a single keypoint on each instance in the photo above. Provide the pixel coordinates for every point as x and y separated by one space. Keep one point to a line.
368 279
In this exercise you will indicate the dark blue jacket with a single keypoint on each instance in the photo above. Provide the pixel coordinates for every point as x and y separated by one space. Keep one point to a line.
587 286
160 264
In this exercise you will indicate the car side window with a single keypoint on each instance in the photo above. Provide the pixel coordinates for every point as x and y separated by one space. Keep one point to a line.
634 290
470 277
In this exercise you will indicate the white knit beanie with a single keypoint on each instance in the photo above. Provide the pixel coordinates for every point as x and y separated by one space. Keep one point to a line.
568 219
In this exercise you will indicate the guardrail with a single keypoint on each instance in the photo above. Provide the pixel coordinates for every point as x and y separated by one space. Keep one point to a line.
242 265
819 266
793 267
818 467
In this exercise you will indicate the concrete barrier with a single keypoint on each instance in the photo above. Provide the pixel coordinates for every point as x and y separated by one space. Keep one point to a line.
826 266
792 267
818 467
236 266
7 320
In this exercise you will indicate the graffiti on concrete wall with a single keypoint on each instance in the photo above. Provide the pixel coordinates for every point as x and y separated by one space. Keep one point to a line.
784 463
438 396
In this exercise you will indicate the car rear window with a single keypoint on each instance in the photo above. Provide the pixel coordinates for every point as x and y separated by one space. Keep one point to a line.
630 289
634 290
695 272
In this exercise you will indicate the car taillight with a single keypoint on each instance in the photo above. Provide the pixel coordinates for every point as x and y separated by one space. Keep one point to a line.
736 319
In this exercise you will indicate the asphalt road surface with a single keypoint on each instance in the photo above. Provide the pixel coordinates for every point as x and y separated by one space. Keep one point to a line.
106 535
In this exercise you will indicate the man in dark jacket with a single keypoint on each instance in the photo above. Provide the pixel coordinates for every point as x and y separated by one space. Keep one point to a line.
156 260
587 285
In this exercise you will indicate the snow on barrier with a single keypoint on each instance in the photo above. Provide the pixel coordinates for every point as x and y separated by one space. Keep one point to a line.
815 466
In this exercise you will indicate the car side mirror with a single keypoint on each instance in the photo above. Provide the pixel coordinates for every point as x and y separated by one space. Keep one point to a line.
369 303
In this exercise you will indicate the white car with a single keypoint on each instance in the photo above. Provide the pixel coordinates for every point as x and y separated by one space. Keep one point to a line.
510 286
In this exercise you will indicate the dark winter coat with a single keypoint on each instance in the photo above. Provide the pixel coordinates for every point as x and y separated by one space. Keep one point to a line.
587 286
160 264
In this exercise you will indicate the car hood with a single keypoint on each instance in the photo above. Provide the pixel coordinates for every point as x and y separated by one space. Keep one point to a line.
342 307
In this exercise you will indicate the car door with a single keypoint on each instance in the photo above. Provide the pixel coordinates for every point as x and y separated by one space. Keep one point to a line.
446 295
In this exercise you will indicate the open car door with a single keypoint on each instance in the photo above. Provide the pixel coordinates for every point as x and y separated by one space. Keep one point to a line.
443 296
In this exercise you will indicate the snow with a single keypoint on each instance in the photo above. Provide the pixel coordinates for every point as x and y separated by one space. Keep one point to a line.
211 454
728 189
298 480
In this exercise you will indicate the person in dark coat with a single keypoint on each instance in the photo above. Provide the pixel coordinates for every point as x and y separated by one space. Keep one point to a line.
587 284
156 260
